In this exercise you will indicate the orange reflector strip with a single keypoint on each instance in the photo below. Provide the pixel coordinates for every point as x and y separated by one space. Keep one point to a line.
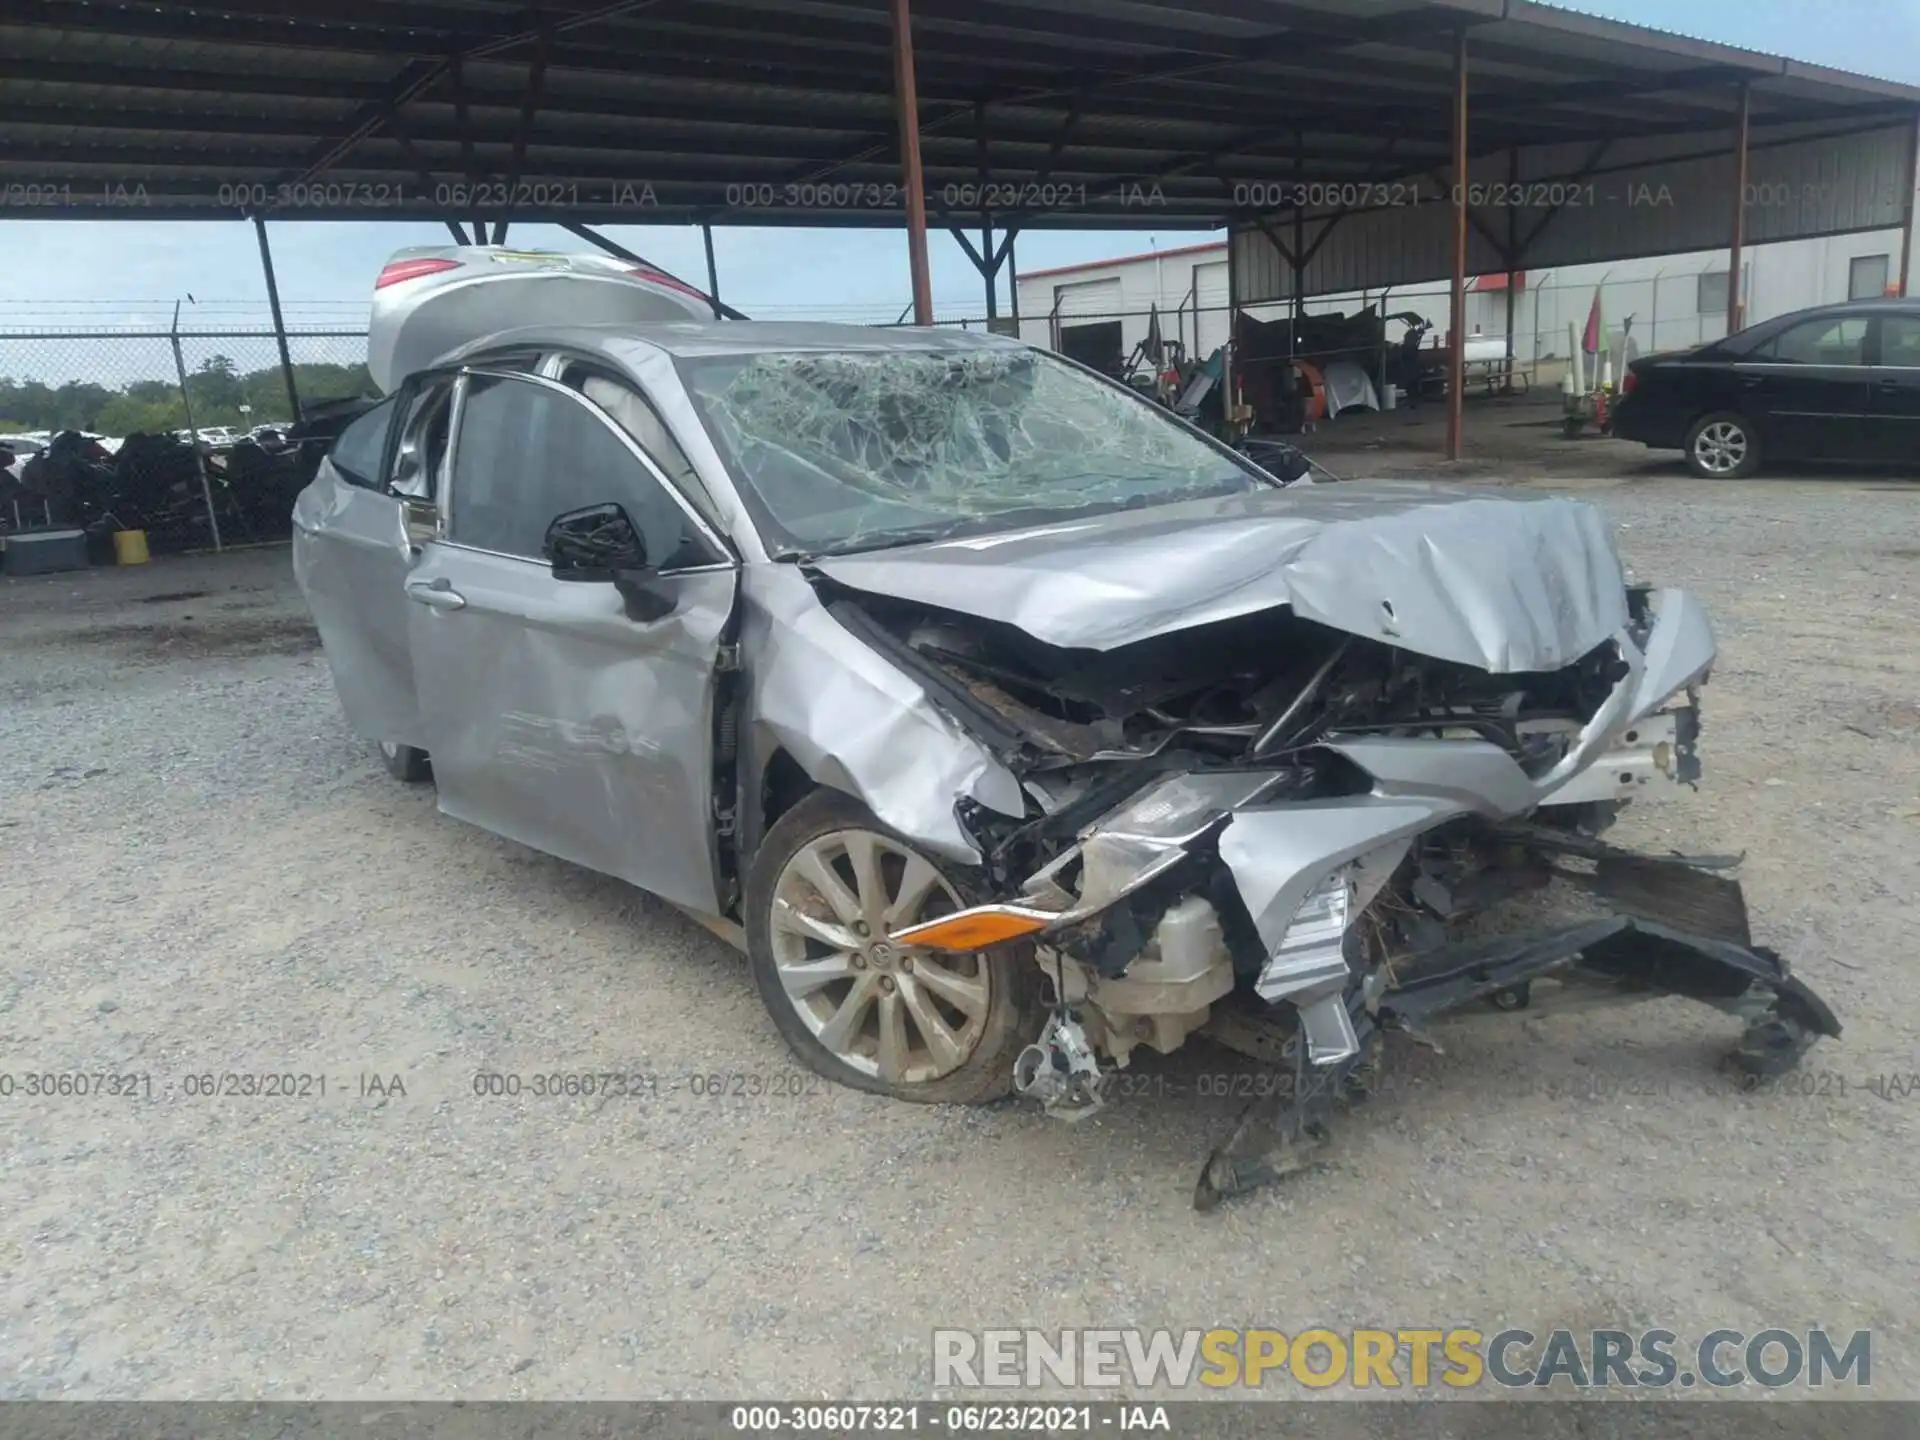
974 929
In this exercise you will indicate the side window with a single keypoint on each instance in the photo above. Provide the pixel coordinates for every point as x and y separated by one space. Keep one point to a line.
1900 341
359 449
634 413
526 453
421 456
1819 342
1867 277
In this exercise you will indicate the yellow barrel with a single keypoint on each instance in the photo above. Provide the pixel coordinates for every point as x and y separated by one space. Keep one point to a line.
130 547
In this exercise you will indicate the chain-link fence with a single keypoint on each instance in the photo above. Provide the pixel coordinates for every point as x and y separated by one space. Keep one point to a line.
189 438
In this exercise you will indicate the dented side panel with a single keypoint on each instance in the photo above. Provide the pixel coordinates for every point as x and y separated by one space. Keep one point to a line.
854 721
556 720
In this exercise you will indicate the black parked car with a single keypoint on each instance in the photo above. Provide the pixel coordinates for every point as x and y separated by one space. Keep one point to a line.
1840 382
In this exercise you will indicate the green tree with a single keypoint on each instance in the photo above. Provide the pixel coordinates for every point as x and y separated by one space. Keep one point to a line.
216 392
76 403
123 415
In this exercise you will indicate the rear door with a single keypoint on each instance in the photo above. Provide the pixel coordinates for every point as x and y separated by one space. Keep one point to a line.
552 717
351 555
1896 390
1808 388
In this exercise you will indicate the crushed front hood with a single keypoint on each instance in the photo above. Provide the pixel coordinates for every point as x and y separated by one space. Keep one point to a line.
1504 584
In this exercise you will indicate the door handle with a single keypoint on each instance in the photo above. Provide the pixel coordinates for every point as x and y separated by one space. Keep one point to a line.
436 594
1891 382
1752 382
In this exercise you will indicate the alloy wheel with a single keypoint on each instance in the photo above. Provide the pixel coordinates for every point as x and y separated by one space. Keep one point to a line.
1721 447
901 1013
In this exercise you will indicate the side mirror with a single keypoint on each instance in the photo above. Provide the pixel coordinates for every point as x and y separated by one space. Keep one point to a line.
601 543
594 544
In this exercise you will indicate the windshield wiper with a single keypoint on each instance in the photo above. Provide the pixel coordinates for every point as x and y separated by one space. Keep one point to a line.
889 539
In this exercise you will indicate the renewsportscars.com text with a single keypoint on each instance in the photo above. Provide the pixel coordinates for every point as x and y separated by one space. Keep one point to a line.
1384 1359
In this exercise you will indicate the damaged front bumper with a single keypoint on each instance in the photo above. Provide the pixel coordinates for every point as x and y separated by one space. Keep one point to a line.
1625 955
1283 876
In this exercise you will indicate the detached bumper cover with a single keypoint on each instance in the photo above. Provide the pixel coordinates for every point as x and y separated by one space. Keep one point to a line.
1282 855
1638 956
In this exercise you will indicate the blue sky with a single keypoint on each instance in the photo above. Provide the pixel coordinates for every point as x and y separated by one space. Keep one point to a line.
77 273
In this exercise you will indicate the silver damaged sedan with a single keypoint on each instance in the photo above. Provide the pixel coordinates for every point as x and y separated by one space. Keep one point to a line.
1011 725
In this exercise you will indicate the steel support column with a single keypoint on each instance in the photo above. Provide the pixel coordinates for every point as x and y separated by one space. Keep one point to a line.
992 273
193 432
1512 257
713 271
1013 283
1299 233
1227 395
1457 340
1734 297
279 324
1906 210
907 102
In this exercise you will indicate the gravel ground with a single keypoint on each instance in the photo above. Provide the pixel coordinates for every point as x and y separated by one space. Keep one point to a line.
206 873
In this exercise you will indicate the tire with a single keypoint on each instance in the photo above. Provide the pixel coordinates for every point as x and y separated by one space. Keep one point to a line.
405 763
808 974
1723 446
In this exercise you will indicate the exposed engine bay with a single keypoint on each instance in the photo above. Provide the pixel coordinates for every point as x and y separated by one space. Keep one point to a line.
1292 840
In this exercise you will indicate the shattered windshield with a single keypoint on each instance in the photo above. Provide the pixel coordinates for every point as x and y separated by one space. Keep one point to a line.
861 449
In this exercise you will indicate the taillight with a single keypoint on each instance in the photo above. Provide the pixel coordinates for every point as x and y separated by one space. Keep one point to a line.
399 270
660 277
1630 382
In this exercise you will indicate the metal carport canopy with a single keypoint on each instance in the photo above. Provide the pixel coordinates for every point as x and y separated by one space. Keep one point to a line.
1156 114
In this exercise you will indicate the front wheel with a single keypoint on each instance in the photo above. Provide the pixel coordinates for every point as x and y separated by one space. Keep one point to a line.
828 888
1722 446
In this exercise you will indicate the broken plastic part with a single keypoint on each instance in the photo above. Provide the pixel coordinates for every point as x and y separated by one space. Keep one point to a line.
977 928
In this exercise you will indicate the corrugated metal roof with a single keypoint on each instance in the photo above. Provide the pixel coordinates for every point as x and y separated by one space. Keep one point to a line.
1051 113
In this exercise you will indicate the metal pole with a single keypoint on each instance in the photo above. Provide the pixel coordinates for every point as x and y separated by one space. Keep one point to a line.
1457 342
1013 285
1538 289
1513 258
907 103
990 272
1227 397
193 434
713 273
1653 325
1906 210
279 324
1739 207
1299 224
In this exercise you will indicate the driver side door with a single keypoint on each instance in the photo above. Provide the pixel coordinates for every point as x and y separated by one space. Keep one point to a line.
552 717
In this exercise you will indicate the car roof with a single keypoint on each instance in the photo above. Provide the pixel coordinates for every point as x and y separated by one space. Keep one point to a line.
689 338
1876 304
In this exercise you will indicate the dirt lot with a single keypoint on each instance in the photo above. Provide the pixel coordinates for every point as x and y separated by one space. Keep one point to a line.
206 874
